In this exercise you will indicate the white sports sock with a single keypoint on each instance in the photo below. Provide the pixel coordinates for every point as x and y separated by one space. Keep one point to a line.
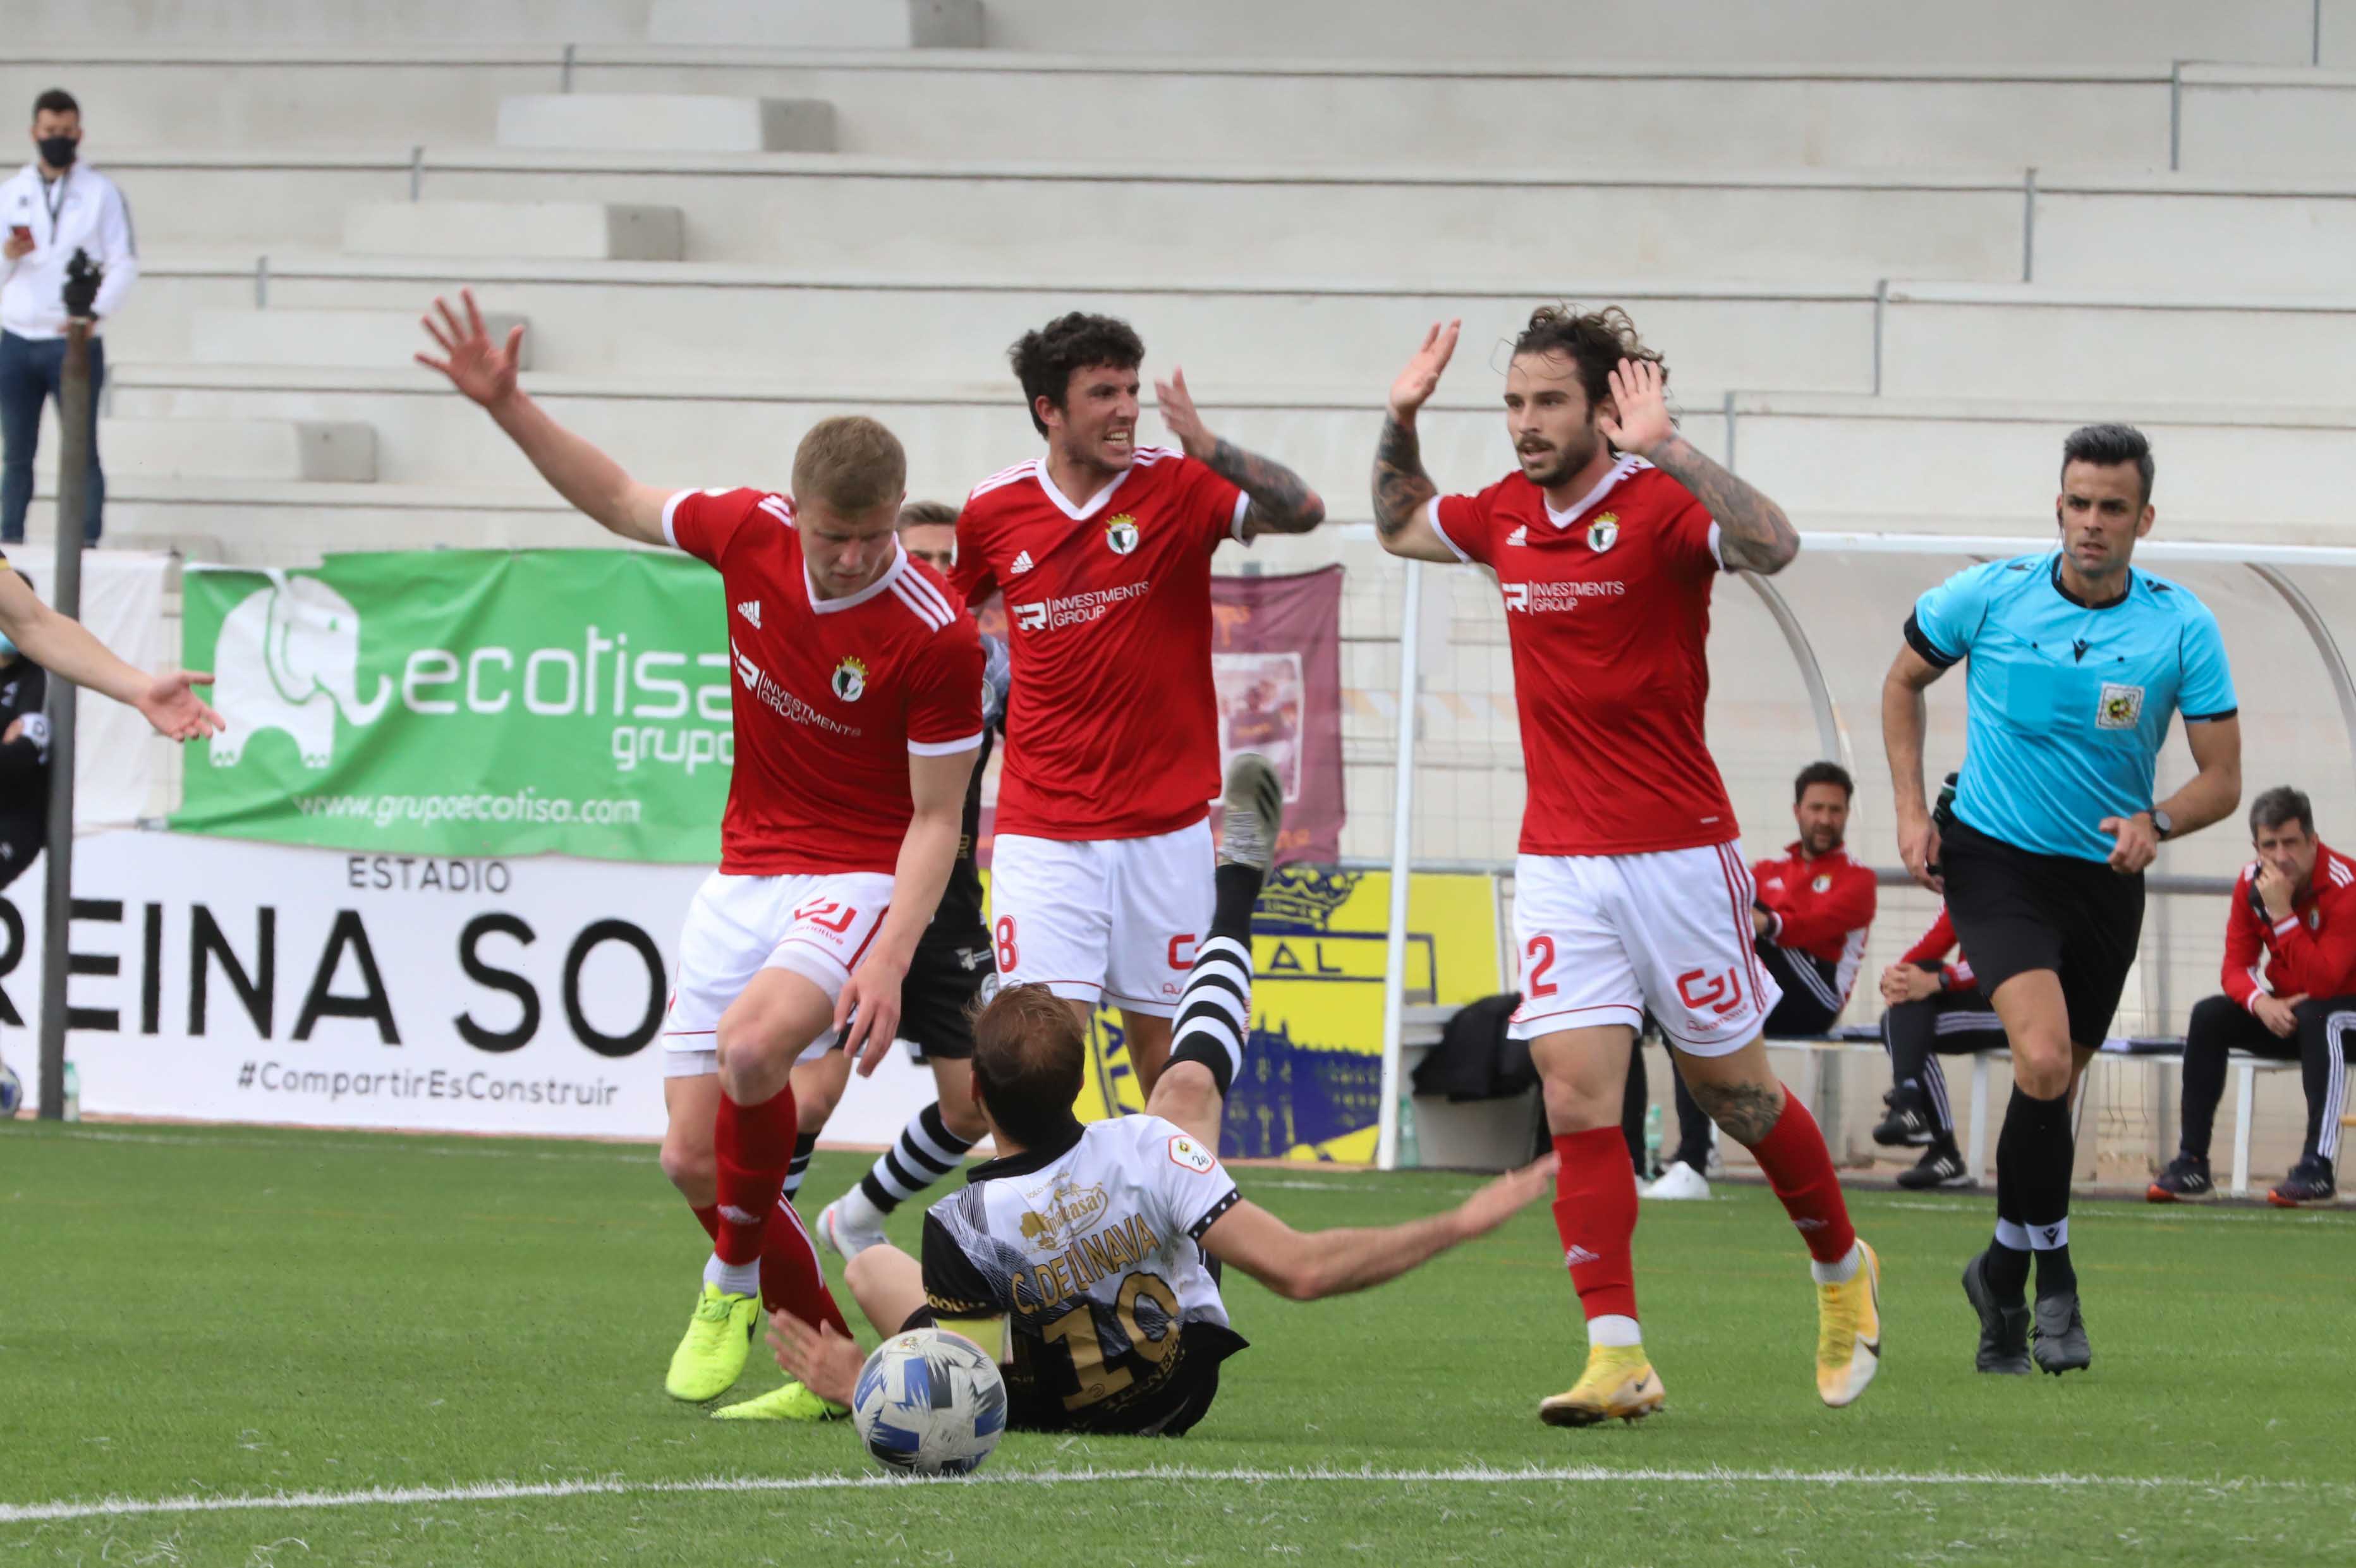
1841 1272
1614 1329
734 1279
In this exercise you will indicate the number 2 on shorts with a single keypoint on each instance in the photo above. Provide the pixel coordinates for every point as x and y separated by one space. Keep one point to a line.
1541 958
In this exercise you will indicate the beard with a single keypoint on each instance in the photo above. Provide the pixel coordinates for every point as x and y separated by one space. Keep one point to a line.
1558 464
1821 842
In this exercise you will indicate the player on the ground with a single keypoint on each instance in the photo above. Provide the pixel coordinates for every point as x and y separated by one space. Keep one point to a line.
2078 663
1089 1244
858 713
1630 888
1103 550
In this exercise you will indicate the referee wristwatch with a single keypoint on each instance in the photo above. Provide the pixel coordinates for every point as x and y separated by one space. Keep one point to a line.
2162 823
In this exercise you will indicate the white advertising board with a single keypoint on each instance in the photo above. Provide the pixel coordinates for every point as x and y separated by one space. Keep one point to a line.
219 979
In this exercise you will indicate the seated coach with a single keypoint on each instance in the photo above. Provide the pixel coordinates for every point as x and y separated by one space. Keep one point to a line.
2294 906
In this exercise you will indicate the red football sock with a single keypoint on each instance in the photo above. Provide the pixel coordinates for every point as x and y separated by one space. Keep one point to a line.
1595 1212
1800 1168
709 1218
755 1144
790 1274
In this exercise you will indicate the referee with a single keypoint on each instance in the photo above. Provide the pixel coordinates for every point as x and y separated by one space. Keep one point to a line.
2078 662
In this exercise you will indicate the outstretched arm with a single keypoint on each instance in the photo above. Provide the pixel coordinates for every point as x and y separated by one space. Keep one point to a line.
66 648
1282 502
592 483
1303 1266
1904 719
1403 491
1753 534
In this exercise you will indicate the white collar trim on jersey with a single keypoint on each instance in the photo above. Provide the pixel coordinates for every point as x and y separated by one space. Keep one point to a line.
1095 503
891 574
1629 463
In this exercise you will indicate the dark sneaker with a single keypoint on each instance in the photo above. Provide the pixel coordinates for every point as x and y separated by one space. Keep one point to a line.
1252 812
1941 1166
2309 1182
1908 1124
2062 1335
2004 1330
2185 1178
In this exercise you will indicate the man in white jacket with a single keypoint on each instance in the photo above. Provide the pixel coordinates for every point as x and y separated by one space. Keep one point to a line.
51 208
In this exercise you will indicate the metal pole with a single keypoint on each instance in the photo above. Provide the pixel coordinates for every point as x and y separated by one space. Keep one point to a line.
416 171
2315 45
2029 227
567 84
1880 309
2175 114
65 590
1387 1133
1730 434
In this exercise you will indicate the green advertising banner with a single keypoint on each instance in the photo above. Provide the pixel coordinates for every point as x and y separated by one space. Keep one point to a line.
465 703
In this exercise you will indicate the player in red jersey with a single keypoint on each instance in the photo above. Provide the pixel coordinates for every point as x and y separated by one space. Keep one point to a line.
856 713
1103 550
1630 891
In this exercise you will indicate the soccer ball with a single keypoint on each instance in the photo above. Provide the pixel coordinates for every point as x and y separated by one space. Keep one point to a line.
929 1403
12 1091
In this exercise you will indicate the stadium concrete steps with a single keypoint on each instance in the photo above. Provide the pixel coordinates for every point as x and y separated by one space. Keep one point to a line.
1979 458
1321 111
179 447
666 122
668 321
353 339
543 231
2023 32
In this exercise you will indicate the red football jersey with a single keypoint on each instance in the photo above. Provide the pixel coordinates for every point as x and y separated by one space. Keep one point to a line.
1931 947
1822 907
1112 730
833 695
1607 607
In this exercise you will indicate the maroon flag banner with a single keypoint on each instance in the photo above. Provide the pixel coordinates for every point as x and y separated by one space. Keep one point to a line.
1276 658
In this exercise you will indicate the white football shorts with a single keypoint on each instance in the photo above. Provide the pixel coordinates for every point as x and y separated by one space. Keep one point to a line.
1109 919
1603 938
818 927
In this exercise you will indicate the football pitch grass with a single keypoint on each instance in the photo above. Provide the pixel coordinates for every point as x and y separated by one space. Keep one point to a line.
250 1346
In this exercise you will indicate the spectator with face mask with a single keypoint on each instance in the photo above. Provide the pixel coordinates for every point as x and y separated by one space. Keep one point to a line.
54 205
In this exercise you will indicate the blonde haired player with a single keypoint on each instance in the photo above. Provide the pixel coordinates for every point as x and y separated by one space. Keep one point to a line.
1630 891
856 713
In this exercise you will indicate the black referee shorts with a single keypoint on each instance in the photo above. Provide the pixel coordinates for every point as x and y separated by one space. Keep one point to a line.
2016 911
936 1000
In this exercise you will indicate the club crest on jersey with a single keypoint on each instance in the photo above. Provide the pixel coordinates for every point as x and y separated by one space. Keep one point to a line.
1122 534
2121 707
850 680
1603 533
1822 884
1188 1154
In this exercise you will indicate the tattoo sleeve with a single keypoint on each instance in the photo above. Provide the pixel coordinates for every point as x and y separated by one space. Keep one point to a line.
1282 502
1753 534
1402 488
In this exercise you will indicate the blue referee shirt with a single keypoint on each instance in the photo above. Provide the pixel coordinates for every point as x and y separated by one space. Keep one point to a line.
2069 702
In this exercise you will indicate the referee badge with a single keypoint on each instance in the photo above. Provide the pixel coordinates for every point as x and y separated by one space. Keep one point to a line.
1603 533
2122 707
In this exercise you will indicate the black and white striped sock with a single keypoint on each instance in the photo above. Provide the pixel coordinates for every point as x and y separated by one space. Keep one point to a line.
1215 1010
926 1152
804 1146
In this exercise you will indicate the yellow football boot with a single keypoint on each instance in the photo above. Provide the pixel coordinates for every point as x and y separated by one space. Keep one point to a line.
709 1358
1848 1332
791 1402
1618 1381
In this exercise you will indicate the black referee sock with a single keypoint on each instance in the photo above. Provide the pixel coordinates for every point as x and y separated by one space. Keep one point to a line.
2047 1155
2007 1255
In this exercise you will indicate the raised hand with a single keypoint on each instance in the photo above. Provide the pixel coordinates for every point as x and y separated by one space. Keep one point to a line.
1179 414
172 705
1421 378
1640 418
483 370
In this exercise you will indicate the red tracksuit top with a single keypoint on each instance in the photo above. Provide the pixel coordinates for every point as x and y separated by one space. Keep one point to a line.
2313 952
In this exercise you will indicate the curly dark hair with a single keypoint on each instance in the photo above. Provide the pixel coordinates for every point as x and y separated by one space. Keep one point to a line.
1596 341
1045 358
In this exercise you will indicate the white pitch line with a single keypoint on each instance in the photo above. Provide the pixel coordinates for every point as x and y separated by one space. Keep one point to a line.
502 1491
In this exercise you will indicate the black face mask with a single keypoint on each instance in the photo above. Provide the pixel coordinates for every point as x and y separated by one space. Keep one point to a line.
57 152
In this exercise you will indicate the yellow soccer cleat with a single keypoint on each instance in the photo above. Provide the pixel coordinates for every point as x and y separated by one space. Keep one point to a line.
709 1358
791 1402
1618 1381
1848 1332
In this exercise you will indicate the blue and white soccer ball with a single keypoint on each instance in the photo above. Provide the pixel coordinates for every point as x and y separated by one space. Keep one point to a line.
12 1091
929 1403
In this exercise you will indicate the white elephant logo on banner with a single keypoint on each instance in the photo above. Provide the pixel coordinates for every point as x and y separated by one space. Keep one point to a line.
288 658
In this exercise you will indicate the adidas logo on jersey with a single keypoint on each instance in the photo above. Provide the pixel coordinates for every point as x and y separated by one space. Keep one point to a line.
1022 565
1521 535
751 610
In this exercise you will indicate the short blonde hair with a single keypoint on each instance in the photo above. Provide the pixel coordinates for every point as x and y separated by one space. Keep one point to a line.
851 464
